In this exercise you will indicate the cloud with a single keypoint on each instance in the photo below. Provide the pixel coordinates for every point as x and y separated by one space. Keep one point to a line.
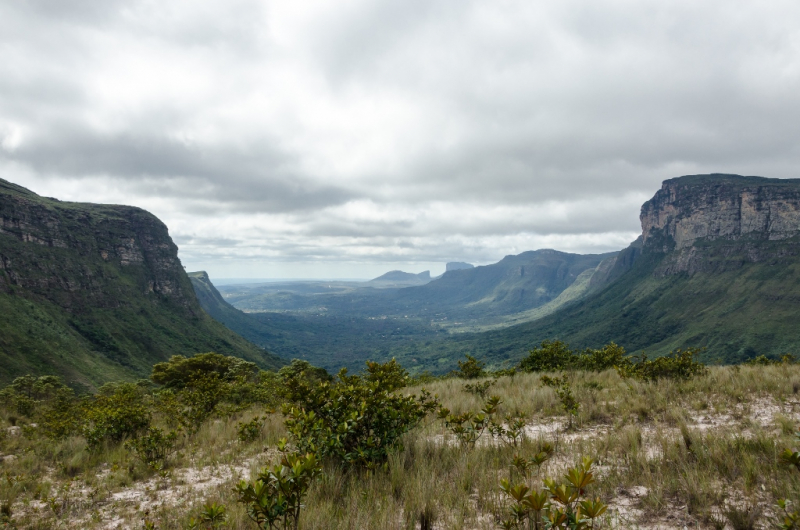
384 132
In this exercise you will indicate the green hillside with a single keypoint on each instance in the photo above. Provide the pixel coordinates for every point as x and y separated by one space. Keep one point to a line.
735 291
96 293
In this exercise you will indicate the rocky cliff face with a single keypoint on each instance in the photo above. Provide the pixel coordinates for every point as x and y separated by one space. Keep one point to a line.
96 292
718 222
51 248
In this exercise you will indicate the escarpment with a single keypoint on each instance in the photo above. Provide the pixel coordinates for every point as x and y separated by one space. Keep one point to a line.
96 292
719 222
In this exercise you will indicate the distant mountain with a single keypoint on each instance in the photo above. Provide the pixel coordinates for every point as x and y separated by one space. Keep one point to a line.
717 266
96 293
514 288
399 279
517 289
457 266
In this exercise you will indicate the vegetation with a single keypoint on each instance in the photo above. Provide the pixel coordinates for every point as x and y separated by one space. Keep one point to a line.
700 450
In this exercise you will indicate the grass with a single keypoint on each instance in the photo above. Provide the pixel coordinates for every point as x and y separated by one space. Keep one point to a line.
700 454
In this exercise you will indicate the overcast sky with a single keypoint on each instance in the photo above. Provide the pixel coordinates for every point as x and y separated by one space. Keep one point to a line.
339 138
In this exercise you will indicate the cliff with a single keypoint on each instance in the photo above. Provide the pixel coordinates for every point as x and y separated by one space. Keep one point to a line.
717 266
717 222
96 292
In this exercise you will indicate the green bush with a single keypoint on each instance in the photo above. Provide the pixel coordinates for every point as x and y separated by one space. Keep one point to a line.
390 376
468 427
680 364
352 420
556 506
115 415
472 368
555 355
60 417
275 500
564 393
550 356
154 447
480 389
251 430
181 371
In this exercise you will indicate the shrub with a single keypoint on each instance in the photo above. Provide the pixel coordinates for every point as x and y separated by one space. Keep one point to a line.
512 431
389 376
154 447
556 506
469 427
352 420
607 357
200 398
480 389
555 355
251 430
114 417
275 500
472 368
680 364
548 357
564 393
181 371
60 417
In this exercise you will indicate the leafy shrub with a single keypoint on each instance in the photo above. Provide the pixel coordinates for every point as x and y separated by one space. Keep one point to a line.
275 500
512 431
112 418
680 364
60 417
181 371
564 393
303 370
555 355
390 376
472 368
469 427
251 430
213 515
763 360
154 447
480 389
200 398
550 356
556 506
352 420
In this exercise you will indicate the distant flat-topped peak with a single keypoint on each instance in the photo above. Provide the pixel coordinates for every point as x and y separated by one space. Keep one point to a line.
394 276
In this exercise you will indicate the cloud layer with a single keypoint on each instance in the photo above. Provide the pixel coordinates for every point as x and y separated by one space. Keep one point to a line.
341 138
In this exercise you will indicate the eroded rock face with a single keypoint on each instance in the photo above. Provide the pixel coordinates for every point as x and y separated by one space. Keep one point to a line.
64 251
707 222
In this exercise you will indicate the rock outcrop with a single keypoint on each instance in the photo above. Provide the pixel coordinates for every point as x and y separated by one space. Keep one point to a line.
718 222
96 292
78 248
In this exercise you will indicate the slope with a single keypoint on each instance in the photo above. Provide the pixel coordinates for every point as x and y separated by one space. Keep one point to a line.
96 293
718 266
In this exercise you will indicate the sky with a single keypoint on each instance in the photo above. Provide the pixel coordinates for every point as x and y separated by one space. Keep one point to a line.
343 139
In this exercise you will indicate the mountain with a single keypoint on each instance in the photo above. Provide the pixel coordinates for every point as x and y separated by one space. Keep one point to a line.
717 266
520 287
457 266
399 279
517 289
96 293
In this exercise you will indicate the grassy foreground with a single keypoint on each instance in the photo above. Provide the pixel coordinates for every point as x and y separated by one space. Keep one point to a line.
702 453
